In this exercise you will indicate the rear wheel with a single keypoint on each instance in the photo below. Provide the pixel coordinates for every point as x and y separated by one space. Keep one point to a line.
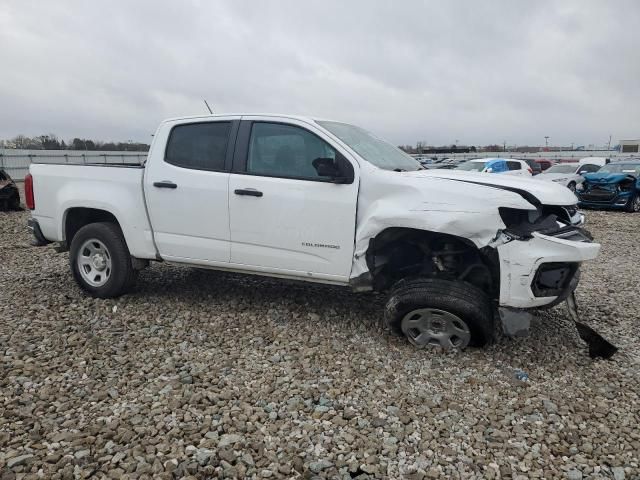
634 203
446 313
100 260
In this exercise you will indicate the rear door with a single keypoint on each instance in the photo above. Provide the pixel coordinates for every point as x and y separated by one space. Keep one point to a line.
186 189
285 218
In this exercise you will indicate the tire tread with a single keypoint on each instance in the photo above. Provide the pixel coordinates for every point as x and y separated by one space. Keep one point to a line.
123 276
461 298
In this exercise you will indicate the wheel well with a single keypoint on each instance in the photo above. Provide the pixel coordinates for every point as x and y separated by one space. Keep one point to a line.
77 218
397 253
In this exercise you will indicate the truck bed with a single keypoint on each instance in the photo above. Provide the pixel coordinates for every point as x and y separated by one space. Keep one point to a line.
114 188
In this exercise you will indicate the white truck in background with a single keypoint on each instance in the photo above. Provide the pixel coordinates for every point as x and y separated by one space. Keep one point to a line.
320 201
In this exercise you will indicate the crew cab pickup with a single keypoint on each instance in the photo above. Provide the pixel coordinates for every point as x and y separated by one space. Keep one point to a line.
320 201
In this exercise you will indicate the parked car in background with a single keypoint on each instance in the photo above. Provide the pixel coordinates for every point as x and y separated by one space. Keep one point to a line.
544 163
424 161
437 163
568 174
450 164
600 161
616 185
507 166
9 194
535 167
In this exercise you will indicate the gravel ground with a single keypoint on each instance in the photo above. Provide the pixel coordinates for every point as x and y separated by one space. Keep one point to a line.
204 374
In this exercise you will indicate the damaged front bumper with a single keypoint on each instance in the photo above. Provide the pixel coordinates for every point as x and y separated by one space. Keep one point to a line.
605 199
542 270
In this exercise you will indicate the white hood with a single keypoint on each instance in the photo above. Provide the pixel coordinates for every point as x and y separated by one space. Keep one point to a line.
547 193
554 176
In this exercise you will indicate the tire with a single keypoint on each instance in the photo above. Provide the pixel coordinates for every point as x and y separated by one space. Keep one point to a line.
572 186
102 245
633 205
441 299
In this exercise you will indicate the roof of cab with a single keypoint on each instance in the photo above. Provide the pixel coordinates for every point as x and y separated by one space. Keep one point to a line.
245 114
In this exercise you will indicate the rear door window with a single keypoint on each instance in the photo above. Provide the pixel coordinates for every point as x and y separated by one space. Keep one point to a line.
514 165
199 146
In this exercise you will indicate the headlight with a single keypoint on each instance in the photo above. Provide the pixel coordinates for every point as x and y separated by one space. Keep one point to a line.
522 223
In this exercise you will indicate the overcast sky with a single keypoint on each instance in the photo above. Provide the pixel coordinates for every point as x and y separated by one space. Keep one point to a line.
477 72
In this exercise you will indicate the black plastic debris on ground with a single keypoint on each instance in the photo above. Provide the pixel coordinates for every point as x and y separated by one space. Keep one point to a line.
598 346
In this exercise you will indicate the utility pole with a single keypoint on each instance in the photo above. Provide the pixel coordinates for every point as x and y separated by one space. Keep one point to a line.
504 147
609 144
546 140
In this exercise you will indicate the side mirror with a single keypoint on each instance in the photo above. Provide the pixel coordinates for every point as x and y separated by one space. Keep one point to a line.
582 172
489 170
328 167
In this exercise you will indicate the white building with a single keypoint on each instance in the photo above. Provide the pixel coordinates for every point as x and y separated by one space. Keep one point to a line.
629 146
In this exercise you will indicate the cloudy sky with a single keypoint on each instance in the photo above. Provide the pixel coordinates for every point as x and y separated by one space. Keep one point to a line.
477 72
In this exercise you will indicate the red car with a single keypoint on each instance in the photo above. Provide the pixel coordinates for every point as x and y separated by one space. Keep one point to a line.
544 164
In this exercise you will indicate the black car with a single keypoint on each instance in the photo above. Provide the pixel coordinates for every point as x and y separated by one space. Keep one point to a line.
9 194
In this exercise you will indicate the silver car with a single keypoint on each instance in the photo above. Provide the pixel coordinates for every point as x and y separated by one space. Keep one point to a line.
567 174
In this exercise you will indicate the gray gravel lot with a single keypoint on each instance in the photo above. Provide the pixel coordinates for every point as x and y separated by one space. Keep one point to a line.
203 374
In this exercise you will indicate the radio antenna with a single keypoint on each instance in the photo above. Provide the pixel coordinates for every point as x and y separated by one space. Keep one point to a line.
208 107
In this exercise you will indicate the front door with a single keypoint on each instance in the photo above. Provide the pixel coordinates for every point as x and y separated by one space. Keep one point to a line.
285 218
186 190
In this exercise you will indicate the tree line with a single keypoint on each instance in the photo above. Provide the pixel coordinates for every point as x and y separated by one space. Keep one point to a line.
52 142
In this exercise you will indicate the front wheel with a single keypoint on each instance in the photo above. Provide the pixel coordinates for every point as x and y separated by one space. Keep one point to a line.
634 203
100 260
446 313
572 187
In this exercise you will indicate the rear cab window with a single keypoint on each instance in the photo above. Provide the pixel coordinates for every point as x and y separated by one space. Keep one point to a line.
199 146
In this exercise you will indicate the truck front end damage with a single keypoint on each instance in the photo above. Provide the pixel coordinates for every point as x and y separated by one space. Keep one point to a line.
540 254
539 266
521 250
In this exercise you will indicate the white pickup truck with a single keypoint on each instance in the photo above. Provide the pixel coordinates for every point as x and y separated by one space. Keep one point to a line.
321 201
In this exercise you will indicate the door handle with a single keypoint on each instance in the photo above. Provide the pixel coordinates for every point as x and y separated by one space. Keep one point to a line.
165 184
248 191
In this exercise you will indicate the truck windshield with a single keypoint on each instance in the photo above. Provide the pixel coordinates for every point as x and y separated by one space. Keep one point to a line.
372 149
